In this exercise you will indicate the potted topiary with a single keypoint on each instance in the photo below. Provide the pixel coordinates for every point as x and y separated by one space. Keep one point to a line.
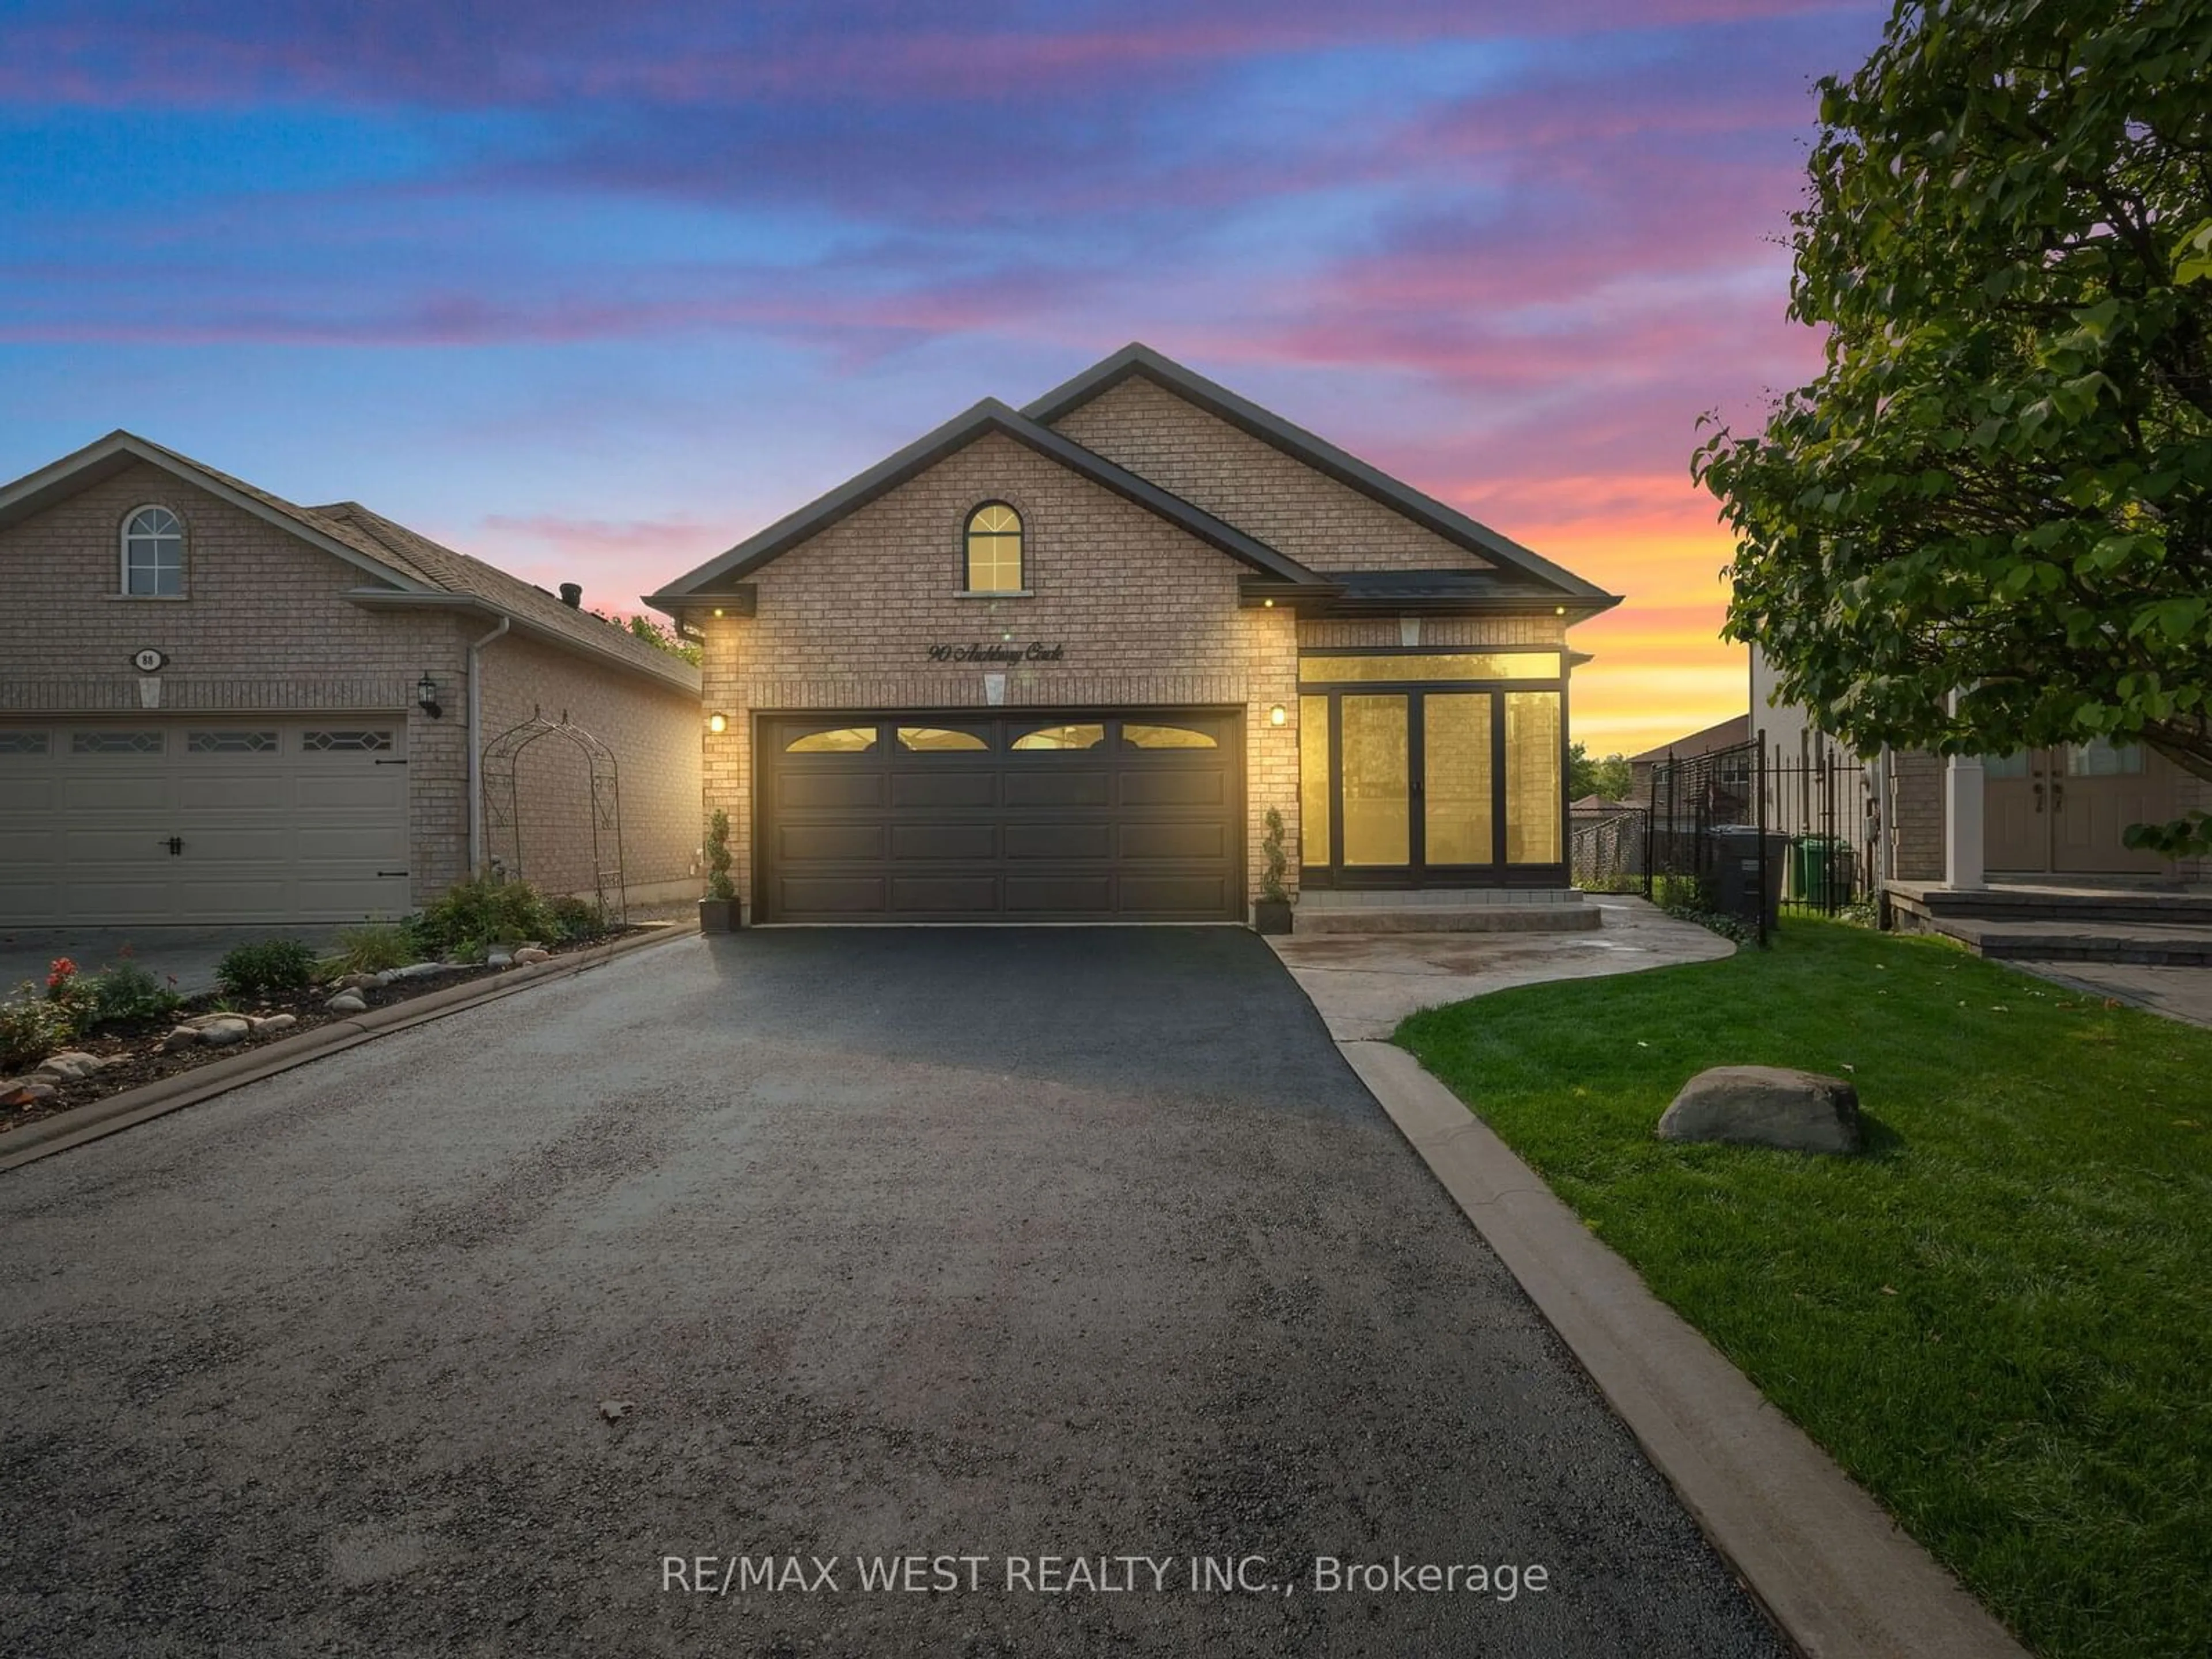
1272 915
719 911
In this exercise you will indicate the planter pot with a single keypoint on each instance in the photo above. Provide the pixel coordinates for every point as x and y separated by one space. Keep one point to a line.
719 915
1272 916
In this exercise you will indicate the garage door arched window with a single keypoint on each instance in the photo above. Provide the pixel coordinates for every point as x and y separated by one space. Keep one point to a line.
995 550
153 555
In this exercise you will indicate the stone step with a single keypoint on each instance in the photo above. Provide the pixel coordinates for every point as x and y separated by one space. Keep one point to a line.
1420 899
2057 903
1449 919
2168 944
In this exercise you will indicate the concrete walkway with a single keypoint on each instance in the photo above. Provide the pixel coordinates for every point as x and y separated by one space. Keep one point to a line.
1365 983
2181 992
1838 1575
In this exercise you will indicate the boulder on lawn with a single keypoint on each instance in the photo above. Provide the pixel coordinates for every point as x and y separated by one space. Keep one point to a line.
1766 1106
348 1002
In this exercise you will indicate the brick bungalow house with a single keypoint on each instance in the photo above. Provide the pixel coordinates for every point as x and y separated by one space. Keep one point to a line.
1059 663
220 706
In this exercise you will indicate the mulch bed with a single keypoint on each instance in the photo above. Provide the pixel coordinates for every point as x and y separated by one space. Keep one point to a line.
146 1063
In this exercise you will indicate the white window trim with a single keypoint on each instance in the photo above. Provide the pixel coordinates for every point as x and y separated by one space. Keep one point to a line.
123 540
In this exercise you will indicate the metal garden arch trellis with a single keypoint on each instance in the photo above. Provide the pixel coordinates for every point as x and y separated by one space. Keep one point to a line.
500 766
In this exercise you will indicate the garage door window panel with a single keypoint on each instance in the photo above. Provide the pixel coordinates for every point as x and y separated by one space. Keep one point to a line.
941 740
1137 735
23 743
116 742
833 740
1048 738
345 742
231 742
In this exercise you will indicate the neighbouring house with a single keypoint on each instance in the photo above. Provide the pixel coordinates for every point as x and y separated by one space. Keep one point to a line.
1732 776
2048 813
220 706
1060 662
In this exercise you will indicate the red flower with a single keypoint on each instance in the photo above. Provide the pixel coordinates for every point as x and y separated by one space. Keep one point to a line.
59 973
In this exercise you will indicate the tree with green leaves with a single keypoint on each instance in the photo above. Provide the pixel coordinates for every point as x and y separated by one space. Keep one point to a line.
1987 524
1610 779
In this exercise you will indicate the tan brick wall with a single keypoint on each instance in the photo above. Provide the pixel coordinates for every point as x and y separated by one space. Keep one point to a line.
1148 616
263 625
1916 797
1324 524
654 734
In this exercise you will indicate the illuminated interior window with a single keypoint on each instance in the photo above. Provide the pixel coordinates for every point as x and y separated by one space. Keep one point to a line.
1134 736
1061 737
995 550
1531 777
1430 665
839 740
1314 789
932 739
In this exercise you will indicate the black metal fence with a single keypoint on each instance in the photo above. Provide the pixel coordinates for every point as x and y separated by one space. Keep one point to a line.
1740 832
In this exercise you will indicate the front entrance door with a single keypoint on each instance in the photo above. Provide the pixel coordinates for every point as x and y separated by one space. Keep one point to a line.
2064 811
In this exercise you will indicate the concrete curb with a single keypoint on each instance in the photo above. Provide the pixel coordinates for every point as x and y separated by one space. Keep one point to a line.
100 1118
1833 1570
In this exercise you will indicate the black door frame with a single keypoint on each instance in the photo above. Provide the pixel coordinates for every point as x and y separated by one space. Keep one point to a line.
1417 873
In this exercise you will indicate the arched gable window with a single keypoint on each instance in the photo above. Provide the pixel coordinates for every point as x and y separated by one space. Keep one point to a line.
153 554
995 550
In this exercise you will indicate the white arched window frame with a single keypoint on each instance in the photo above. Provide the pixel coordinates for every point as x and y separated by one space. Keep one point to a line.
153 554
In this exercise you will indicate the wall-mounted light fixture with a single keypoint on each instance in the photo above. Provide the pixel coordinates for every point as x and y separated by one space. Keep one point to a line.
718 610
426 695
1559 611
1278 716
718 723
1267 604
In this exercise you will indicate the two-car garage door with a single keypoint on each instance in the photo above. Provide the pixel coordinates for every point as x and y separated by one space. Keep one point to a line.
216 818
947 816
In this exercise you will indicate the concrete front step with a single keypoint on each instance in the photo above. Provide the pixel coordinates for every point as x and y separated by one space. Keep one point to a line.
2167 943
2057 903
1449 919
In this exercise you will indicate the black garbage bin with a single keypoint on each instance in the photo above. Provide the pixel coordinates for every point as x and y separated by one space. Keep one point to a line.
1736 886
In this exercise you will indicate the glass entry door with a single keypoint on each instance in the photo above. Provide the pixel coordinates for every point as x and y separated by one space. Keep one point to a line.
1407 788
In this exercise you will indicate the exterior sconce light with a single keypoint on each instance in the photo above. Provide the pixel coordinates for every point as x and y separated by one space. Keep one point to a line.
1278 716
426 695
718 610
1266 605
1559 611
718 723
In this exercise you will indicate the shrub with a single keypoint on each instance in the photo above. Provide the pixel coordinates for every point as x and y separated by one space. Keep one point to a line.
272 964
1271 879
481 911
719 884
374 946
575 919
128 993
33 1026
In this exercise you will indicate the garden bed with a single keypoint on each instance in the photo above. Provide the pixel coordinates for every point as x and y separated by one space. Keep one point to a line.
136 1058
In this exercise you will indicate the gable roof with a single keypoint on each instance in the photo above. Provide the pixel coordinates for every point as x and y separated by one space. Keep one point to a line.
1271 429
990 416
1727 734
527 605
403 568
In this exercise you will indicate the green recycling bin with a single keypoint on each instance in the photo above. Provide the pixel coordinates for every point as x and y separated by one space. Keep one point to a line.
1819 870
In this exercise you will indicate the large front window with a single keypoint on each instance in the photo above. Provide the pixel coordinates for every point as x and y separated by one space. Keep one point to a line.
1413 774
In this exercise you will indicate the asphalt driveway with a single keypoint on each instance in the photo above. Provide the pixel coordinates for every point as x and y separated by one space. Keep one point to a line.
983 1243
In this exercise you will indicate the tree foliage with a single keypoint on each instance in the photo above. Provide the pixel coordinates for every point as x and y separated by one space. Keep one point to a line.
1609 778
2000 485
654 634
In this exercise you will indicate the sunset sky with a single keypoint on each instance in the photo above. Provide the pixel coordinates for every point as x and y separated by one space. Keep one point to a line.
593 290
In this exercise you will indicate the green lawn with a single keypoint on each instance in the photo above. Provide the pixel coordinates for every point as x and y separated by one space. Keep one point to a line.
1998 1319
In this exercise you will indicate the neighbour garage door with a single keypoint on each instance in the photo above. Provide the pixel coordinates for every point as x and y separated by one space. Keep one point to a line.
225 819
942 817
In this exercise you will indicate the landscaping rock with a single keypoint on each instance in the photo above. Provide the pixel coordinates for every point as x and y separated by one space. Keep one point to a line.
615 1410
1765 1106
24 1091
221 1033
185 1036
499 958
275 1022
348 1002
415 970
533 953
66 1067
356 982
